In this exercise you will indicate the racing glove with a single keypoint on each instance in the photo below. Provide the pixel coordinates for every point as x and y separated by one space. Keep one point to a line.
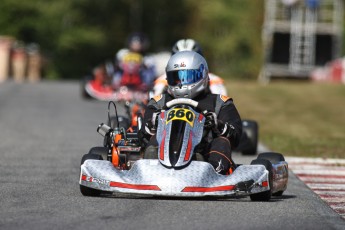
151 125
225 129
211 120
154 119
218 126
149 129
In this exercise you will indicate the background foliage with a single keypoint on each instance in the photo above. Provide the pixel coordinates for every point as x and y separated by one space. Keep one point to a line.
75 35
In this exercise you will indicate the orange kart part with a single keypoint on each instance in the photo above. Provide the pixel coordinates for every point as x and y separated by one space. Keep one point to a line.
115 159
135 110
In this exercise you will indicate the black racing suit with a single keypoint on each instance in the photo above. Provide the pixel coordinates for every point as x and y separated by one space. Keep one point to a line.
216 148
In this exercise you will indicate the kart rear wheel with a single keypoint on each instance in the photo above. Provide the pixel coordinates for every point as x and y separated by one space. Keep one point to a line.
84 93
264 196
86 191
102 151
273 157
249 139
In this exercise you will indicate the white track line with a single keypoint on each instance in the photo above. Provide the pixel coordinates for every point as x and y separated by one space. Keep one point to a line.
326 177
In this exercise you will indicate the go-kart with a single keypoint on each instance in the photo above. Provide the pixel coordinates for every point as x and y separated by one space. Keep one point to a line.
130 80
175 169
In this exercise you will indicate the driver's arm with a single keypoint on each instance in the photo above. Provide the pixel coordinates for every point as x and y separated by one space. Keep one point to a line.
229 115
148 129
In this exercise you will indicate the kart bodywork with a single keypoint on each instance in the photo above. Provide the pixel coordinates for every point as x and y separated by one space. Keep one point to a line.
150 177
107 93
176 171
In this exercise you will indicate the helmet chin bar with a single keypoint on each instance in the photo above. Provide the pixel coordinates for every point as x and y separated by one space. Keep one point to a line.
188 91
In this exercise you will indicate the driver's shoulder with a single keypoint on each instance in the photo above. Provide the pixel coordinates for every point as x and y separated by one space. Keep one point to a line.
218 97
224 98
161 99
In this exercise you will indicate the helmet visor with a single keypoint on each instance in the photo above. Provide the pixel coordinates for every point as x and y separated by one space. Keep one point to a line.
184 77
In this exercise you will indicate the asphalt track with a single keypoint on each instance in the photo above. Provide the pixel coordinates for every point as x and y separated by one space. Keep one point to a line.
46 128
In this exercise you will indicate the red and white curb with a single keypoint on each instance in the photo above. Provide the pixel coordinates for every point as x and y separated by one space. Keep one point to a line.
326 177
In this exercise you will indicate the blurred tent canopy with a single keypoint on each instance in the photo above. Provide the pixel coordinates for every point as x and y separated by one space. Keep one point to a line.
76 35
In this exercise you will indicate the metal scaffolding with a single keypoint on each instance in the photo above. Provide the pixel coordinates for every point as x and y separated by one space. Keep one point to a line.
300 36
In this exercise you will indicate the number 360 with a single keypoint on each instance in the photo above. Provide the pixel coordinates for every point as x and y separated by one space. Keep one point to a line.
181 114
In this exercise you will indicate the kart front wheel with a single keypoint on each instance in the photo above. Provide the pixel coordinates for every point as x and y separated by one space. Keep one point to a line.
264 196
89 191
86 191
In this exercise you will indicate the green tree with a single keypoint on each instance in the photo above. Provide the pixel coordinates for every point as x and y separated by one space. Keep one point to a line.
230 34
76 35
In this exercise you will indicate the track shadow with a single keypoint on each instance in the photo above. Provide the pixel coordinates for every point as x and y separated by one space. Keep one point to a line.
240 198
284 197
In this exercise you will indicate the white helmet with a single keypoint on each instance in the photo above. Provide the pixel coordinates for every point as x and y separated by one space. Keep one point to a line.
186 44
187 74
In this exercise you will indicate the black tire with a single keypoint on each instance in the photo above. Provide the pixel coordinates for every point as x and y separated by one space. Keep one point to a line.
280 193
123 122
102 151
273 157
86 191
84 93
249 139
263 196
151 152
90 156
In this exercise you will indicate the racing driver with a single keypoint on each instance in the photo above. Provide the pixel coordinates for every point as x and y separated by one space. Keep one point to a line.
187 76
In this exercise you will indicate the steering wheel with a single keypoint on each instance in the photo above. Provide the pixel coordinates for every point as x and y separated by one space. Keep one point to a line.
182 101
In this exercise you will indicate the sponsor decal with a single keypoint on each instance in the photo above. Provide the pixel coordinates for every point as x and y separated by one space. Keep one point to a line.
120 184
180 65
95 180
